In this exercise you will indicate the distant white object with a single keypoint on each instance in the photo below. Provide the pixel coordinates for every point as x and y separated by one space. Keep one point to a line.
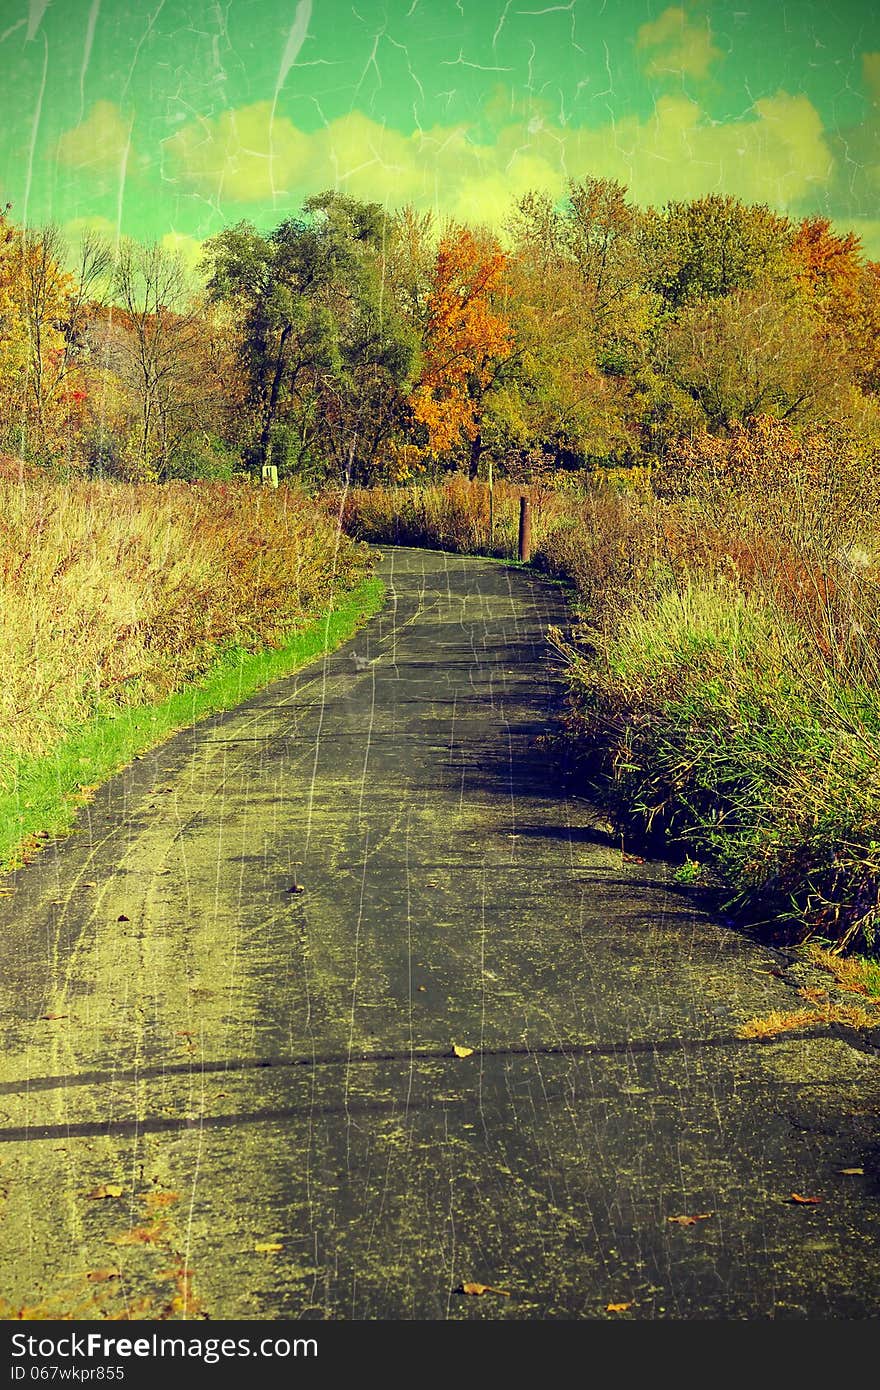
360 662
854 556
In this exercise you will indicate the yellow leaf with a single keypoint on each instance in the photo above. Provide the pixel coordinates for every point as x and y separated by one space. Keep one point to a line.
459 1051
480 1289
107 1189
617 1307
691 1220
852 1172
268 1247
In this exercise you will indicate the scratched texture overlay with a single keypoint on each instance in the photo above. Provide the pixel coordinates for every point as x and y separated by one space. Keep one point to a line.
340 1001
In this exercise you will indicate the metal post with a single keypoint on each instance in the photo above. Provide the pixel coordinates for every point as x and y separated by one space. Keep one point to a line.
525 529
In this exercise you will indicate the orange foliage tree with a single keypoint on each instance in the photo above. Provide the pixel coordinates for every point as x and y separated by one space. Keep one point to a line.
827 262
864 328
466 342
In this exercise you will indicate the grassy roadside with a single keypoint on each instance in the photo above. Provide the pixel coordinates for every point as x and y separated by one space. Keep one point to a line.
725 681
48 790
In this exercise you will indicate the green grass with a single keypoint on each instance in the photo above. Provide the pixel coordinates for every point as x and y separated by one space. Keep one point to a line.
48 791
715 733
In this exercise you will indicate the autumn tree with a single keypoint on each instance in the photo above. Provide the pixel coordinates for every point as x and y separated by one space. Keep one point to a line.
863 328
466 343
581 313
157 352
409 255
55 305
751 353
827 262
14 348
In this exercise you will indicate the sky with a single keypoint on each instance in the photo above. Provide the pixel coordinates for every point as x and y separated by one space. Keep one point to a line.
169 119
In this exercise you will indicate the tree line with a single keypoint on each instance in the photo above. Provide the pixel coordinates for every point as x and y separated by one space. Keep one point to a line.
352 343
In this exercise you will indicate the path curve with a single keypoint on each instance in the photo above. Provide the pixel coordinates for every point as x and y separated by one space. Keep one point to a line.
221 1096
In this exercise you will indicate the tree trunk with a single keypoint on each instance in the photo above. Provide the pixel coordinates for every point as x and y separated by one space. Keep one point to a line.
476 451
272 407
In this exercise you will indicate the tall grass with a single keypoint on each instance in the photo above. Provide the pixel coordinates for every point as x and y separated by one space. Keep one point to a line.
455 515
725 680
115 595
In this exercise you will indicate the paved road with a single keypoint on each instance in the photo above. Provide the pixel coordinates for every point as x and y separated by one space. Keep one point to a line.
262 1083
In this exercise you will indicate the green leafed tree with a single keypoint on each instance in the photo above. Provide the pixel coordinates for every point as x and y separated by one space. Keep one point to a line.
324 351
711 246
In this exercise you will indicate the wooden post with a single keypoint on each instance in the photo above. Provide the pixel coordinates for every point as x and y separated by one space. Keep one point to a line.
525 529
491 506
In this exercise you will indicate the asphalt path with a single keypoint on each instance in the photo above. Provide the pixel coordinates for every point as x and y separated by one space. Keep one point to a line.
341 1001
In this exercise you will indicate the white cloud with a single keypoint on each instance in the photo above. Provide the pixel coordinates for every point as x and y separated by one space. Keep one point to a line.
677 47
101 142
777 154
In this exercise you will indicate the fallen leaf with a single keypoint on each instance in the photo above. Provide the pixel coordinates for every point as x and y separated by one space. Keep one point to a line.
797 1200
617 1307
633 859
155 1200
458 1051
268 1247
100 1276
107 1189
691 1220
852 1172
480 1289
141 1235
54 1016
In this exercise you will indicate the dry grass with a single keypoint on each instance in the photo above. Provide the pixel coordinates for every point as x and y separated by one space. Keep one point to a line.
455 515
850 972
772 1025
776 1023
116 595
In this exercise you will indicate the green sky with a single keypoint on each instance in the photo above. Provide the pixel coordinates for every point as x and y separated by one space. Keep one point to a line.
170 118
